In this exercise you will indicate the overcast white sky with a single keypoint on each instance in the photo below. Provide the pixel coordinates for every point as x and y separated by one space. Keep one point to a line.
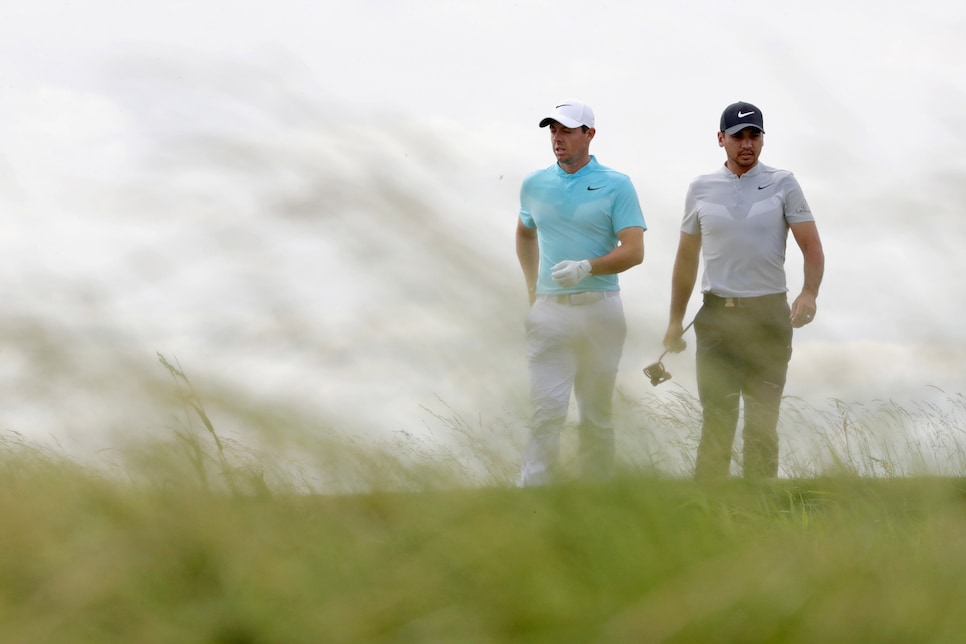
863 100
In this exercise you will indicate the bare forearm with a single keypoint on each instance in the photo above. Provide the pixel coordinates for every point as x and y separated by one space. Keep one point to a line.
804 308
628 254
807 237
682 284
528 252
617 261
814 271
680 296
684 277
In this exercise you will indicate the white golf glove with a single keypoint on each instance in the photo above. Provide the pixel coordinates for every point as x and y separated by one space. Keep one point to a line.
568 272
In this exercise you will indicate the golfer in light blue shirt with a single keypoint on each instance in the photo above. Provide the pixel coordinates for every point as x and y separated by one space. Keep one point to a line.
580 225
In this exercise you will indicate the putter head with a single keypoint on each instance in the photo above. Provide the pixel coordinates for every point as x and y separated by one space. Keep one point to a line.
657 373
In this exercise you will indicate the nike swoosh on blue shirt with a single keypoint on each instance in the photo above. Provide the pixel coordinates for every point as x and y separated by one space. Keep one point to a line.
597 188
764 186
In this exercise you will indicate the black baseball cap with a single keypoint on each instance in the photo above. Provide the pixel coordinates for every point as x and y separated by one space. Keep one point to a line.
740 115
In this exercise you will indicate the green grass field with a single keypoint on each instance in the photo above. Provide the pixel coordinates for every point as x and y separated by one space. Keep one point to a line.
91 558
198 538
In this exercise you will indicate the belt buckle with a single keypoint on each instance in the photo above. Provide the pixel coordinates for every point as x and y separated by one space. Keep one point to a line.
586 297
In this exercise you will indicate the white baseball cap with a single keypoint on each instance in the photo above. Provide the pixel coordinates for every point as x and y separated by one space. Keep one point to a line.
570 114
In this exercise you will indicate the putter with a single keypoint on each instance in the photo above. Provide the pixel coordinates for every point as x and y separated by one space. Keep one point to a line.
656 371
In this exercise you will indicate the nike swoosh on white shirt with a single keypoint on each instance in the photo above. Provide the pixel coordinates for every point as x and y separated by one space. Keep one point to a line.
742 115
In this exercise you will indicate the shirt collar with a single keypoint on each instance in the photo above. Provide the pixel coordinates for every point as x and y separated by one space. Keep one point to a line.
755 170
591 165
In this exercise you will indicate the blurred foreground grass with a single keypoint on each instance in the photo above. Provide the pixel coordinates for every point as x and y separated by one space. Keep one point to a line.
200 537
87 557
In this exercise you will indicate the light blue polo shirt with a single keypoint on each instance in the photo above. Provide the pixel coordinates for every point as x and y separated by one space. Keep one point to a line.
578 216
743 223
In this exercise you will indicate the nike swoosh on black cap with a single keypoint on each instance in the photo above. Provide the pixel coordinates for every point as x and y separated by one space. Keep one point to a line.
740 115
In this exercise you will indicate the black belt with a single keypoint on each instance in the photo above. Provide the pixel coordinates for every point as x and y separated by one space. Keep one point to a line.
710 299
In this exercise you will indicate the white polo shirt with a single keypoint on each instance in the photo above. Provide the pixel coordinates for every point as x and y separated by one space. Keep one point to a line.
743 222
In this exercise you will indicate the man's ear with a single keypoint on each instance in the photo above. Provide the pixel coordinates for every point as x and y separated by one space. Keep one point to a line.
721 137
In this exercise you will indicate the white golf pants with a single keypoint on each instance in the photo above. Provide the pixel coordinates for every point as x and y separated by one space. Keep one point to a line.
572 347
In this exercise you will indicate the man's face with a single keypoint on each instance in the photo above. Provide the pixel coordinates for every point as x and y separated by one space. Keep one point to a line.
743 147
570 145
